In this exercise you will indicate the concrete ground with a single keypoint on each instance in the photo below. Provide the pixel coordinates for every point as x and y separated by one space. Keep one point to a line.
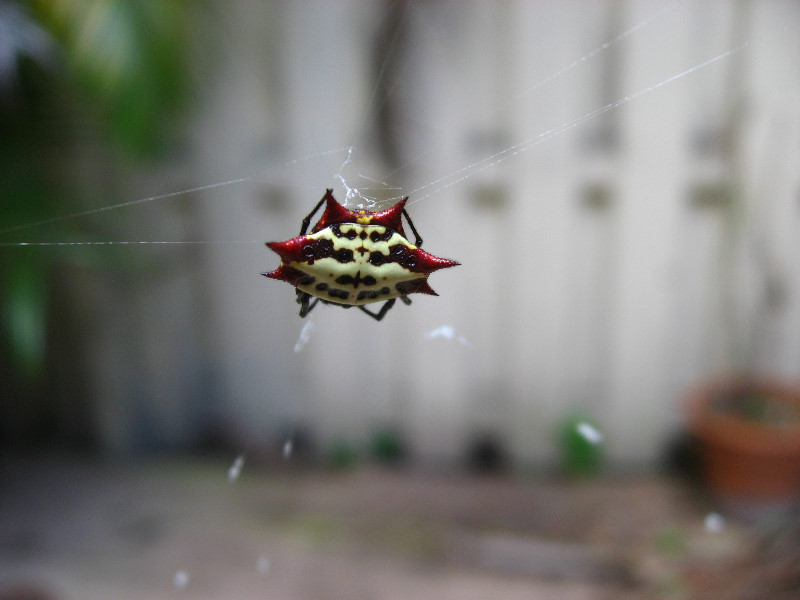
199 529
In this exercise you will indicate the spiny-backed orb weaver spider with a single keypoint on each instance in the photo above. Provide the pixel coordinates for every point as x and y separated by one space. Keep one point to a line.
356 257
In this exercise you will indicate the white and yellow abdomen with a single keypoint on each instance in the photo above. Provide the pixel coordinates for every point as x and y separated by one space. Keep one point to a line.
351 263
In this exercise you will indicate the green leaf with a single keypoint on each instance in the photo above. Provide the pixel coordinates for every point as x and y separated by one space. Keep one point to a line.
24 314
130 56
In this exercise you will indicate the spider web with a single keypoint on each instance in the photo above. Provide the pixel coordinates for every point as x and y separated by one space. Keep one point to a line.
364 185
362 189
348 168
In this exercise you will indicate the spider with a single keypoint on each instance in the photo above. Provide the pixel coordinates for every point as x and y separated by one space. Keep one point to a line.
354 258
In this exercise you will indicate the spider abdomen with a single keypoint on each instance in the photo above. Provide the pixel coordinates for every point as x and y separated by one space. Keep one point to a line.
350 263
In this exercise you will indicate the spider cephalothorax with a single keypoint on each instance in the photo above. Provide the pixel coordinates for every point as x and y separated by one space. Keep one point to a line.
356 257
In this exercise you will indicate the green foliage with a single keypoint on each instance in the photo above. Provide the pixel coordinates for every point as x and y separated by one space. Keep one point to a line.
387 447
23 309
129 57
581 453
342 455
758 407
121 63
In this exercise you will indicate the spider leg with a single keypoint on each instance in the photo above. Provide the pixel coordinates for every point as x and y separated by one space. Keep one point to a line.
307 220
382 312
305 307
417 236
406 300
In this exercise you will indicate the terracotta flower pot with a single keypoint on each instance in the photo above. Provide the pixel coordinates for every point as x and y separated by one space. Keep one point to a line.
751 457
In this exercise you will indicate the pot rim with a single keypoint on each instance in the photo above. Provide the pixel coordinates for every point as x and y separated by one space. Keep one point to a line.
739 434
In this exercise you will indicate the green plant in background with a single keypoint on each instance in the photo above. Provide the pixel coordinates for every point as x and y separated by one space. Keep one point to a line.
23 309
581 446
387 447
129 58
68 69
342 455
756 406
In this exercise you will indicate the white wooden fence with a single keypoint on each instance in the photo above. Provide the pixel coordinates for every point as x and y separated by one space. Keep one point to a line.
634 228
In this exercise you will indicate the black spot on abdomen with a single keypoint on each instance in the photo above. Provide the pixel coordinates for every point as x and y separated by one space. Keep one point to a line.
357 280
343 255
336 293
317 249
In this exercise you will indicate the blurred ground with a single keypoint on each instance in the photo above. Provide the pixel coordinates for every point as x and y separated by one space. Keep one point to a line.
182 529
